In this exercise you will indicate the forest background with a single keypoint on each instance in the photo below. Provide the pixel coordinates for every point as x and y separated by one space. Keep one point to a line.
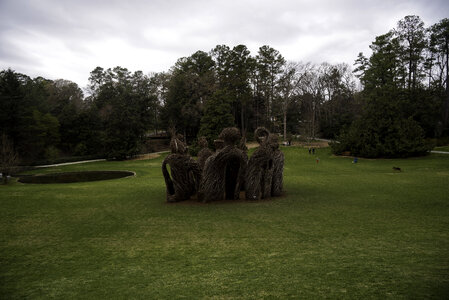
394 103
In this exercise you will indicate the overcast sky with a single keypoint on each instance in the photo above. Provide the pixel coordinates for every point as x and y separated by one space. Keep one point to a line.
68 39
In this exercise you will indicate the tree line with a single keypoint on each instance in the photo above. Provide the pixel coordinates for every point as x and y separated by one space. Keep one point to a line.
403 100
405 92
45 119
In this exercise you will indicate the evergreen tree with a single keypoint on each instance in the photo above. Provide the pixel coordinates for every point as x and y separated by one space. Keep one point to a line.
191 85
65 99
217 116
269 63
384 129
233 68
123 102
25 115
438 67
412 39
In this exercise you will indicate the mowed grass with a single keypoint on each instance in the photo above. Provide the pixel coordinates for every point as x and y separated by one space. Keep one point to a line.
341 230
442 148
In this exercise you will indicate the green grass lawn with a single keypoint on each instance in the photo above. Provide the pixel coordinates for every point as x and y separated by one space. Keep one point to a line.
442 148
342 230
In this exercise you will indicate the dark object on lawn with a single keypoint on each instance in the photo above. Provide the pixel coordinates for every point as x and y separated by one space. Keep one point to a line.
397 169
259 180
70 177
184 170
204 153
220 178
289 139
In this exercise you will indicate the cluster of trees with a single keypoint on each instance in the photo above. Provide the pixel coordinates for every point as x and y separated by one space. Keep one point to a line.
45 119
200 95
403 100
37 115
405 92
206 92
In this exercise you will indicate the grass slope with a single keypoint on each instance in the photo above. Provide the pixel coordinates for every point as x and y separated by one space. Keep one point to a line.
442 148
342 230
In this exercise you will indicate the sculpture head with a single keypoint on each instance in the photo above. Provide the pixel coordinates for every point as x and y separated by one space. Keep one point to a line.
180 137
177 145
273 141
261 135
202 142
230 135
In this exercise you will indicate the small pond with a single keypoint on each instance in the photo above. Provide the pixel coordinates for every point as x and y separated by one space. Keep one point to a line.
69 177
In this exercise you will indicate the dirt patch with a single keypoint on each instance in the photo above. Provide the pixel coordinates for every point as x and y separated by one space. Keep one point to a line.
252 145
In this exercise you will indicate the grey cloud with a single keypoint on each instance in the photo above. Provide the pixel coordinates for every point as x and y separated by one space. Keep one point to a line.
178 28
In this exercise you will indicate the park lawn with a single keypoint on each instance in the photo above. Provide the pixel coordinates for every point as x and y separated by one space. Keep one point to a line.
341 230
442 148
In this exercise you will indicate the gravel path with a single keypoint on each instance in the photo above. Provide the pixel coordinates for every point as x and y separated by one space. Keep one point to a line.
70 163
439 152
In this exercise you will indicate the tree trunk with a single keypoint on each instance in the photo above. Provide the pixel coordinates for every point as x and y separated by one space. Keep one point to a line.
409 66
156 121
242 119
312 133
430 70
446 102
285 125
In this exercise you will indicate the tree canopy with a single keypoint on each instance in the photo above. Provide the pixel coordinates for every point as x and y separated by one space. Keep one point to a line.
400 101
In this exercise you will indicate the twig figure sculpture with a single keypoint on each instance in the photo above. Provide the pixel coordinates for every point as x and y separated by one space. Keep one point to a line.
224 173
223 170
185 175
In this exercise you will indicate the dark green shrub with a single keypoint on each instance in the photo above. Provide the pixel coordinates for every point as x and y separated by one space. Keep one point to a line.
382 138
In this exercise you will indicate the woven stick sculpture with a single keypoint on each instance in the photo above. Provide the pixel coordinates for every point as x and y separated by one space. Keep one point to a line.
278 166
218 144
244 149
260 174
204 153
222 170
185 172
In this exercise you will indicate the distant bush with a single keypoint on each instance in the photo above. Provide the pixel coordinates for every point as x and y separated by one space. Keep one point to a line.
383 138
81 149
51 153
443 141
